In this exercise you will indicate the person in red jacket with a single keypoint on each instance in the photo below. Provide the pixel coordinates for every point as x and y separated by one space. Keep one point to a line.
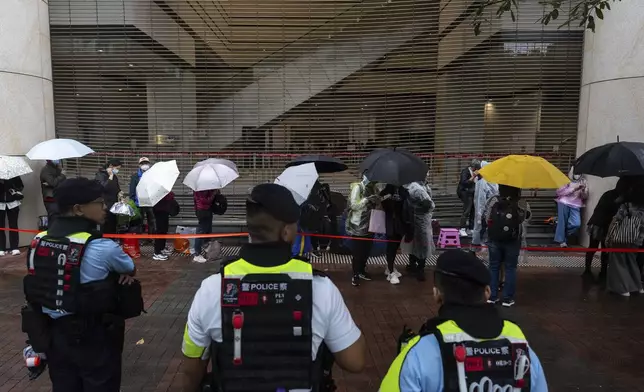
203 210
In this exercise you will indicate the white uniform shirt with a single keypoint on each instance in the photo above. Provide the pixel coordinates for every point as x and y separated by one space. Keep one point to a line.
331 322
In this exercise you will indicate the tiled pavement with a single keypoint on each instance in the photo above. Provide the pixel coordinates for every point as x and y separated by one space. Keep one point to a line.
586 340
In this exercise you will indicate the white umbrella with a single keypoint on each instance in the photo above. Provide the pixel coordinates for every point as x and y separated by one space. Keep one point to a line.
58 149
216 161
156 183
11 167
299 180
208 175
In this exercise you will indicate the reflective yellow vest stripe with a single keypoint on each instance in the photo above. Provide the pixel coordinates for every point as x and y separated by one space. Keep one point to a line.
76 238
451 334
296 269
391 382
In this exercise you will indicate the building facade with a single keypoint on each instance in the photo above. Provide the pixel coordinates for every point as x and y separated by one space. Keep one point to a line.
259 81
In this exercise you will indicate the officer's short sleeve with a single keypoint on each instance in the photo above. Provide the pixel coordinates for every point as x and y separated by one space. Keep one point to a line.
537 376
204 319
340 330
422 369
117 260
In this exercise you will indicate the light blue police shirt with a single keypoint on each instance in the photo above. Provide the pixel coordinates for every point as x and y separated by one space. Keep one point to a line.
422 370
101 257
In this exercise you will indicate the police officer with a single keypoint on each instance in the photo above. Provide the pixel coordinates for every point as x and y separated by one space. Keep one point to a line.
468 347
268 314
72 282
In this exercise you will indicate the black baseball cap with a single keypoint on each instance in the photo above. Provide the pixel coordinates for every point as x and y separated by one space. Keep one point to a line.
79 190
463 265
276 200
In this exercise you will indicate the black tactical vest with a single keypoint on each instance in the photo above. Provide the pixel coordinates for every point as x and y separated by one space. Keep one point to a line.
487 365
53 273
266 327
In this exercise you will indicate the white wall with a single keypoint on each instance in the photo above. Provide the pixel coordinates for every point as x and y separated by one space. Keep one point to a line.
26 93
612 92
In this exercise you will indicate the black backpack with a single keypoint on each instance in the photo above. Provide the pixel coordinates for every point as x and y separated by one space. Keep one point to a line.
504 223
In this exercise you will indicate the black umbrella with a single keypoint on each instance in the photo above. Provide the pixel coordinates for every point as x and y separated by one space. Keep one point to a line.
395 166
612 160
323 163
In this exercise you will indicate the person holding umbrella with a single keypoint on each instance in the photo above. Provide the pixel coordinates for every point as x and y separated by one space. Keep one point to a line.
362 200
506 214
107 176
206 179
51 175
147 213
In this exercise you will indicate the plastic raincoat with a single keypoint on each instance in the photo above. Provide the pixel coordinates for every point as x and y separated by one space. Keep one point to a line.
362 200
482 193
419 209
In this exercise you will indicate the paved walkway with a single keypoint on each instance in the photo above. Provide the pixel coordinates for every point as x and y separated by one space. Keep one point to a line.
586 339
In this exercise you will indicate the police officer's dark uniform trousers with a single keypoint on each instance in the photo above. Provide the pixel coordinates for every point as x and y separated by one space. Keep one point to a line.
84 348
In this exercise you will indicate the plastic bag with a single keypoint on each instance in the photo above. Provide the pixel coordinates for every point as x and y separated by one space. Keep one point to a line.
132 247
184 245
377 222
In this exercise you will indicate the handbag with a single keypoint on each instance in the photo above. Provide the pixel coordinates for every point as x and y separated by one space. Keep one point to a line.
624 229
378 222
219 205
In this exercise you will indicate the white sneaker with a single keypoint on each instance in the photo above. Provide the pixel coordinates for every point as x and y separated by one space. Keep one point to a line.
167 252
199 259
393 279
462 233
160 257
15 252
395 273
3 253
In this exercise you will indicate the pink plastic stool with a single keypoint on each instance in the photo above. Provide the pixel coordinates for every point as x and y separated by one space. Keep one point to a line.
449 237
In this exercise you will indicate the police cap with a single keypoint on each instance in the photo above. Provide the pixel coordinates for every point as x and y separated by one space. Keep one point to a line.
463 265
276 200
79 190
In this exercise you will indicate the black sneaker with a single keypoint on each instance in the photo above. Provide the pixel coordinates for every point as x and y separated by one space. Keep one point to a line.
364 276
355 280
492 301
507 303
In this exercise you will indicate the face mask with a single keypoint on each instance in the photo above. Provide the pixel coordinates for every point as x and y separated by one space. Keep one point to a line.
145 167
115 171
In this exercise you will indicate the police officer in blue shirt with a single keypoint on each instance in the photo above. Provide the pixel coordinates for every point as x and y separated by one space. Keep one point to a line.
468 347
74 282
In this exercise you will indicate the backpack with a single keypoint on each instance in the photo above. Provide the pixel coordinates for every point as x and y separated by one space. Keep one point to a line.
504 223
624 229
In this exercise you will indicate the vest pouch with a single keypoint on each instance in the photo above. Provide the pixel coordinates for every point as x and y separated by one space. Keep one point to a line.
36 325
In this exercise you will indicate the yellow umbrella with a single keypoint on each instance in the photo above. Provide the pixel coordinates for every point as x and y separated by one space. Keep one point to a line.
524 171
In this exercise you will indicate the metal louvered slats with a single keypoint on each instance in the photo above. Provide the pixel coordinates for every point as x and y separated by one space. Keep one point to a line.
260 81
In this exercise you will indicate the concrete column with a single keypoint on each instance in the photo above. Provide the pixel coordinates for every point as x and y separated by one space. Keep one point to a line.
26 93
612 92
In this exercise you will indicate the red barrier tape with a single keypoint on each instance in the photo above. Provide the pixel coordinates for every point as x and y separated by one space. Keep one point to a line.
341 237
